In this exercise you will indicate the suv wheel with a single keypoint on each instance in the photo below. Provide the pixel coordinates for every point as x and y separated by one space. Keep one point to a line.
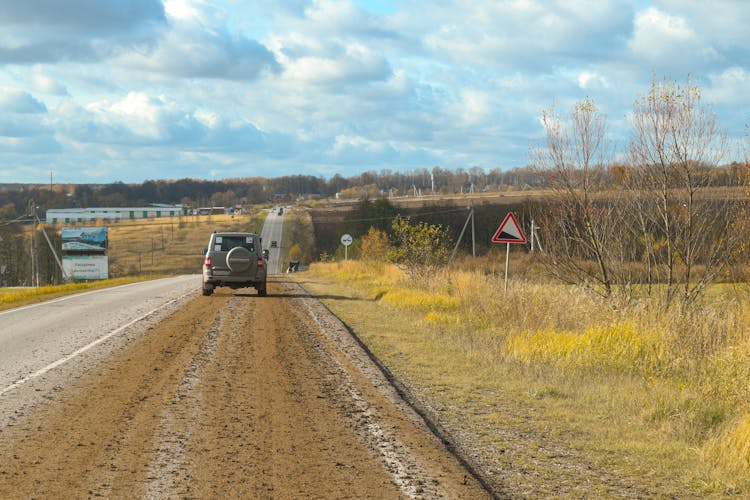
262 290
208 290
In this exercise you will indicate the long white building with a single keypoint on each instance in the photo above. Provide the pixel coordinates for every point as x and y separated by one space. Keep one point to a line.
74 215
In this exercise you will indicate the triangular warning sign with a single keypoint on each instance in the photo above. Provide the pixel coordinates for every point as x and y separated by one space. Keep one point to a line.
509 231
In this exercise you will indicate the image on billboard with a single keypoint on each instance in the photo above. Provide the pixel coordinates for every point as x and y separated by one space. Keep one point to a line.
84 240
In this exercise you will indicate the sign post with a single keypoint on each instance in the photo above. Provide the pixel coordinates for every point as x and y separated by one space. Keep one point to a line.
346 240
508 232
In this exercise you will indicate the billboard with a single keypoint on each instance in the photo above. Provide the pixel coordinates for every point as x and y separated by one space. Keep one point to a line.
86 267
84 240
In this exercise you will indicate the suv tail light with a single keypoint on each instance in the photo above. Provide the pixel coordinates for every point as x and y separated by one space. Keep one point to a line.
207 262
261 263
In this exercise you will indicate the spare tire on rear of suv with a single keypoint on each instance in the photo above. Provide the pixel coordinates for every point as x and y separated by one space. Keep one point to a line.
239 259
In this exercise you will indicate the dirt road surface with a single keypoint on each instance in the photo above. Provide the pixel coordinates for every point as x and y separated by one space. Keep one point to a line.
228 396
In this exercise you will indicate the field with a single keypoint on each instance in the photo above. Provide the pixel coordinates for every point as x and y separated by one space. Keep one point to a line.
168 246
557 391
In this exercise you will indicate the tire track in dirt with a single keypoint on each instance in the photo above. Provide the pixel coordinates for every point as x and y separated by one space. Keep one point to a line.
291 435
168 471
396 457
386 422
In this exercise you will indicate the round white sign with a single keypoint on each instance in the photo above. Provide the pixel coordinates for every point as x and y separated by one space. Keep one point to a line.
346 240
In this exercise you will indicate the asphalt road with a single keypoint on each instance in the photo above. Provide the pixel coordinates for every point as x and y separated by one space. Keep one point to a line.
272 231
37 338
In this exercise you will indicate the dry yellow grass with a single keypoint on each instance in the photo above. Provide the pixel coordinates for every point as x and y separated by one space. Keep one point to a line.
621 347
634 388
729 452
15 297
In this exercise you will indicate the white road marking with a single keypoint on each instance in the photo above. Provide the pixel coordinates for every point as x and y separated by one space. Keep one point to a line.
67 297
85 348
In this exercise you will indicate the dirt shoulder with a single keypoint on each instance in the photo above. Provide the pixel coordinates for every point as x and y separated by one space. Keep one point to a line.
230 395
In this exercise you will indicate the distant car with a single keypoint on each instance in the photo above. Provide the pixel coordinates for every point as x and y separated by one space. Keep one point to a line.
274 244
234 260
281 211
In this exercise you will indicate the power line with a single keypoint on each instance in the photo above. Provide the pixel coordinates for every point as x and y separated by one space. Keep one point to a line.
344 221
23 219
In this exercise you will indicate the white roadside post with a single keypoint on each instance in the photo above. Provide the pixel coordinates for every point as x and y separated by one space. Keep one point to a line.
346 240
508 232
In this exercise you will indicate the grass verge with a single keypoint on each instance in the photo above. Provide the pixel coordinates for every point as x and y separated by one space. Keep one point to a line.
17 297
555 392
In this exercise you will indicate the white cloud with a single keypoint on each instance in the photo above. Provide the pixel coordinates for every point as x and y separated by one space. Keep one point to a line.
692 37
346 143
473 108
45 84
49 31
659 36
28 146
208 119
197 48
528 33
722 23
138 113
183 10
352 63
333 13
19 101
592 80
729 87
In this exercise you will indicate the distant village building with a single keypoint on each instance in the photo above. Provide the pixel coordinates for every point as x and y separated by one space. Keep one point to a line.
75 215
281 198
212 211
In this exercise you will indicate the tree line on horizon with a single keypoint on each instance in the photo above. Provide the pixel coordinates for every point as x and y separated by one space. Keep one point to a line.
15 198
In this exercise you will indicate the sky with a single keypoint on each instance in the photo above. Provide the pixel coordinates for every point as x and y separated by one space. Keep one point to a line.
98 91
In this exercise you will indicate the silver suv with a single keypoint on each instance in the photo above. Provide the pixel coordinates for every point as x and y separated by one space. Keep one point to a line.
234 260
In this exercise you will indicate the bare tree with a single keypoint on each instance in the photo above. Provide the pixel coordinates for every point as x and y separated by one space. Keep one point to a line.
579 227
686 229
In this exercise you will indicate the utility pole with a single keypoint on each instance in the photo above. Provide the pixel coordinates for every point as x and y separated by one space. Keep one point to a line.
473 235
34 256
534 237
34 263
461 236
34 282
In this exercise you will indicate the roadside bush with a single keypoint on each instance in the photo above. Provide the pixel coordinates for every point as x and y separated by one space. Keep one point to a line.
420 249
374 246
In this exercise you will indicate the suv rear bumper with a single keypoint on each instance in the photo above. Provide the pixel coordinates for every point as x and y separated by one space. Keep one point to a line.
232 281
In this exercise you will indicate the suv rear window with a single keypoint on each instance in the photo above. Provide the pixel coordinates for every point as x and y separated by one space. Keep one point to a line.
226 243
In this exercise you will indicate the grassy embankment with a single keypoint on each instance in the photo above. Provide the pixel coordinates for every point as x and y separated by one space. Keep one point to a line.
558 391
